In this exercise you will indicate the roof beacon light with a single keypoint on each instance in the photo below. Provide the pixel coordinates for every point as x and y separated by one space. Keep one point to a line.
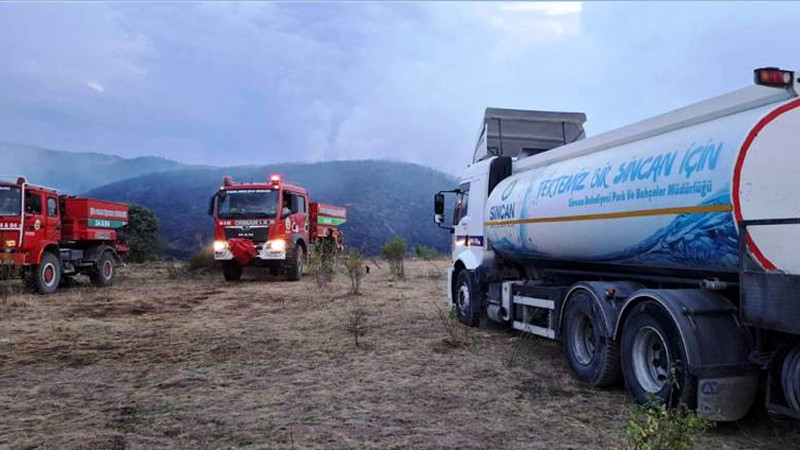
228 181
772 76
275 178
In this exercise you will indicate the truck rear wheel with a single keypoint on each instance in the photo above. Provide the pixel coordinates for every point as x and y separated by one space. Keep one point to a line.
468 300
294 271
231 271
45 276
654 358
105 273
592 354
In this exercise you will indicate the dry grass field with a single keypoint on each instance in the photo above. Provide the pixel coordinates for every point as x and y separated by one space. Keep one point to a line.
166 361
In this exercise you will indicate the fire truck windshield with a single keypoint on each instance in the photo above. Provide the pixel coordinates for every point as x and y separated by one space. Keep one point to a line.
10 201
248 203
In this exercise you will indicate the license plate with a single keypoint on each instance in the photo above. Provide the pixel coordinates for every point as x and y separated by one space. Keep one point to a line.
6 262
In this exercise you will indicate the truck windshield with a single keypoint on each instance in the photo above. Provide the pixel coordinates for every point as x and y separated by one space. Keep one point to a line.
248 203
10 201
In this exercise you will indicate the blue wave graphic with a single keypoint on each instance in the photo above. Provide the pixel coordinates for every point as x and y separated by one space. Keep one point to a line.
702 241
707 241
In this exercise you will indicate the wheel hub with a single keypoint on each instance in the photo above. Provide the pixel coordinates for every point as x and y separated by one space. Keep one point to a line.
463 298
583 339
49 274
651 359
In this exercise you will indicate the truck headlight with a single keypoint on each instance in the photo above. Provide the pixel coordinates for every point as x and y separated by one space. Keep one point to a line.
11 244
278 245
220 246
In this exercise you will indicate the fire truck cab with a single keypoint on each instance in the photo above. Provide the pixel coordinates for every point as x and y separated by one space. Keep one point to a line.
270 225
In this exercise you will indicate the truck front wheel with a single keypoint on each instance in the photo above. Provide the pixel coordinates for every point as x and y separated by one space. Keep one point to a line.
592 354
654 358
232 271
45 276
105 273
468 300
296 263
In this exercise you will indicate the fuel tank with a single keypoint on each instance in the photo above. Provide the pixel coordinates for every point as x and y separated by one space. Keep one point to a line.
670 200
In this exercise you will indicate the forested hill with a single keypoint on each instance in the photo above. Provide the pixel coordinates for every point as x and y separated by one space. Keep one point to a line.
383 198
75 172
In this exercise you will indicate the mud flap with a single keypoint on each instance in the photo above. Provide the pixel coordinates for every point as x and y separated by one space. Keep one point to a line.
726 399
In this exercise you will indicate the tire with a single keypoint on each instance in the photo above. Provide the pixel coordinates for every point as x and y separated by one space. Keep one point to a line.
231 271
592 354
654 358
106 273
468 300
294 270
45 276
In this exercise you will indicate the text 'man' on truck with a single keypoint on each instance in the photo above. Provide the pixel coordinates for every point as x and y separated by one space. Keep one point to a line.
665 253
270 224
48 238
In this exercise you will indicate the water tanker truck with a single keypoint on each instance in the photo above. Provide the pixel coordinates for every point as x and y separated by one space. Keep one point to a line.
665 254
270 224
48 238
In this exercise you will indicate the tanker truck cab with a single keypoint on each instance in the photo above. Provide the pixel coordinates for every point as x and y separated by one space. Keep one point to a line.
664 254
260 224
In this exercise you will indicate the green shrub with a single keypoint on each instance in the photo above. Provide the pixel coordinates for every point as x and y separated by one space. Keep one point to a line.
653 426
424 252
202 260
321 265
141 234
353 264
395 251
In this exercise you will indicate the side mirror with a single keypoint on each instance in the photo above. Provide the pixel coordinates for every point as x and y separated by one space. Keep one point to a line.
211 205
438 206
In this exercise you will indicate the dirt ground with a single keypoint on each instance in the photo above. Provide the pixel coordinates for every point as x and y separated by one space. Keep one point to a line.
164 360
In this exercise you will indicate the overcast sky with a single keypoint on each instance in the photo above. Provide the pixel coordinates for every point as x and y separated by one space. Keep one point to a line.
257 83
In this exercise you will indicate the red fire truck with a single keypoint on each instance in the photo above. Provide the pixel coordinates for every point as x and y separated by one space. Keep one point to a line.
270 224
48 238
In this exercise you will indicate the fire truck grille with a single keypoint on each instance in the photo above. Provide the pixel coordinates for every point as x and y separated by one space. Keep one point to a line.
254 234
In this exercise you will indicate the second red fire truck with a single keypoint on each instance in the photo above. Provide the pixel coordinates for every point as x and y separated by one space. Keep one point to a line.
270 224
48 238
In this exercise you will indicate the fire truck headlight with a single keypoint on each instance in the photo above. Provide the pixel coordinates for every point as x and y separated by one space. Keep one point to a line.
278 245
11 244
220 246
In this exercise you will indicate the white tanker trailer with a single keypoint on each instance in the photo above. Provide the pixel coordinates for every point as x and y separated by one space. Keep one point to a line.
665 253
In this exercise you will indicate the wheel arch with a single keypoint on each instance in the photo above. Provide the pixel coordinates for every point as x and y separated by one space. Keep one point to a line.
458 266
96 252
707 322
609 292
49 247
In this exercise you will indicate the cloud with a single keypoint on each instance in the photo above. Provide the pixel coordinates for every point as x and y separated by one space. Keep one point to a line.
546 8
95 86
258 83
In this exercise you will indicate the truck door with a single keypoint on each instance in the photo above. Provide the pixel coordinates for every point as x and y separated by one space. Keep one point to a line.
295 213
35 222
53 219
460 216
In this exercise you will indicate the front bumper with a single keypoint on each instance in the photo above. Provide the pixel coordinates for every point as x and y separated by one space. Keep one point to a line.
12 259
263 254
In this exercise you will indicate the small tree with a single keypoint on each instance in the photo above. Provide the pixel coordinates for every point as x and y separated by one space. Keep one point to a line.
321 265
141 234
353 264
395 251
356 320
